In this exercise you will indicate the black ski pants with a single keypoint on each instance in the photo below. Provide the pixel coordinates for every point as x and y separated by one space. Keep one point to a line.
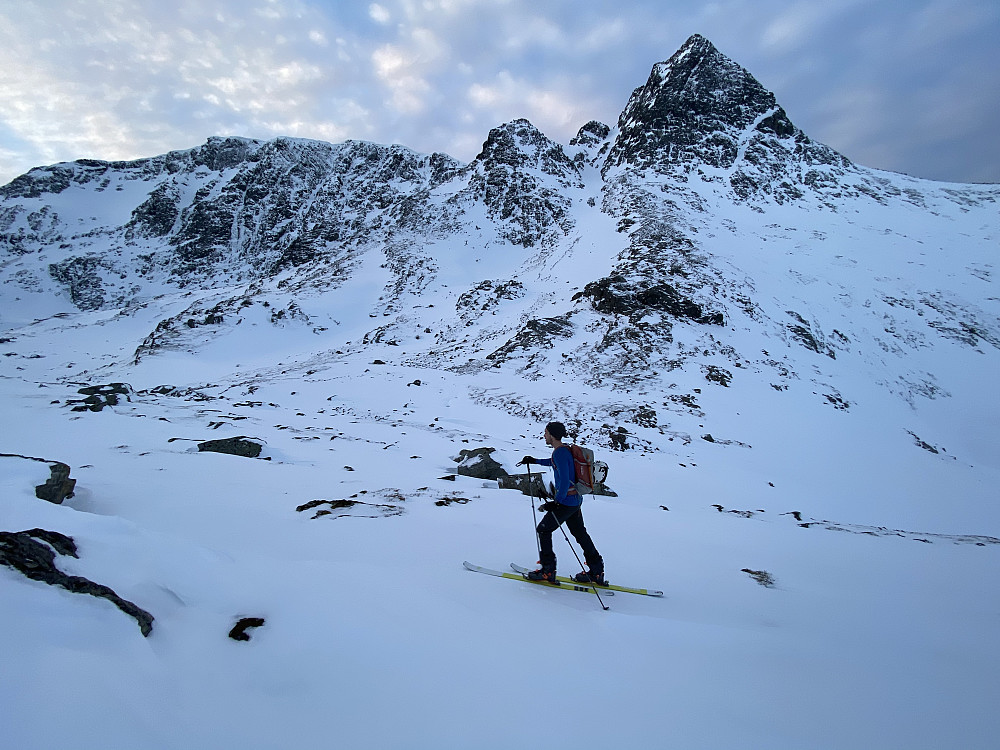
572 516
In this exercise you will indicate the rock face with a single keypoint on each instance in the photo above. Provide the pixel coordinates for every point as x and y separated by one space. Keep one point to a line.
522 177
235 209
693 109
33 553
239 210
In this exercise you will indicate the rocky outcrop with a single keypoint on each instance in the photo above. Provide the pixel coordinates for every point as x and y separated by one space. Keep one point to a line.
239 630
536 336
58 486
235 446
591 135
479 464
615 296
33 553
96 397
527 484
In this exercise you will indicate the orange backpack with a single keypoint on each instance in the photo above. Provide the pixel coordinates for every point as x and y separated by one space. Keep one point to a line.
588 471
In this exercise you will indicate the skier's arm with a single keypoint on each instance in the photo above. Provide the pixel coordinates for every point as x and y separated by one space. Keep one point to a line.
528 460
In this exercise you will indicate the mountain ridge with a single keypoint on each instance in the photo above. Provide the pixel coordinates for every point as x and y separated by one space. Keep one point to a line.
631 255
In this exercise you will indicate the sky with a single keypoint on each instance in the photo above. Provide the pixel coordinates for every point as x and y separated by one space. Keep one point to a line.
911 86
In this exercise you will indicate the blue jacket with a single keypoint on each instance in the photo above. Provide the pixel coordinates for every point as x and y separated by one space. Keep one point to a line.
565 471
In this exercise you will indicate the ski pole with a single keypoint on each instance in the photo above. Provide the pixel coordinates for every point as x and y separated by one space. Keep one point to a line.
534 518
582 568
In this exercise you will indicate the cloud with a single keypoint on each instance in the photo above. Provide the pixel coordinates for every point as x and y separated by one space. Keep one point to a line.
379 14
507 97
403 68
120 79
801 24
115 83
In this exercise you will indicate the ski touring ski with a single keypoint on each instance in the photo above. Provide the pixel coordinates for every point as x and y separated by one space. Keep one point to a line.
568 586
609 589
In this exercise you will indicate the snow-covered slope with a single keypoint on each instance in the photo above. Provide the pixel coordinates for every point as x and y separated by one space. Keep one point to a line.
788 361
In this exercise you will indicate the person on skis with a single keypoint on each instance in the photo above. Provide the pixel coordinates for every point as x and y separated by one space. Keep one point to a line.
565 507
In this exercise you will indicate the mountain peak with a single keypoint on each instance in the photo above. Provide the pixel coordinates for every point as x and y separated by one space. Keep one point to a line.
693 108
521 177
701 110
518 143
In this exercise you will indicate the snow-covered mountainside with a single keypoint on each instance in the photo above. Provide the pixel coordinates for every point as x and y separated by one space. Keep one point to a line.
766 341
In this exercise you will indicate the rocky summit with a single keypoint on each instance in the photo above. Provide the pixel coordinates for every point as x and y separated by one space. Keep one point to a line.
700 109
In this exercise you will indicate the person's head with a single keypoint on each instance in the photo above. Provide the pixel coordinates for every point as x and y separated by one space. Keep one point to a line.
554 432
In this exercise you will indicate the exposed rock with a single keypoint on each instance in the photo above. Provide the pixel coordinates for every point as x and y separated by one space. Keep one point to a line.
82 276
99 396
760 576
356 508
236 446
230 211
446 501
802 332
923 443
591 134
58 486
536 487
536 335
720 375
619 439
156 216
486 296
239 631
479 464
614 295
33 554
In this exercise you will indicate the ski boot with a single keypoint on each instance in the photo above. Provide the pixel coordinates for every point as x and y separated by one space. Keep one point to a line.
594 575
548 575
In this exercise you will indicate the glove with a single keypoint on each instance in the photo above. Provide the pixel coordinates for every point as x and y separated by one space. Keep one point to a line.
526 461
551 505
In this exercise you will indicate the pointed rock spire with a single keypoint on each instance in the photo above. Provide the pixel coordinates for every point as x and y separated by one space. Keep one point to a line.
694 107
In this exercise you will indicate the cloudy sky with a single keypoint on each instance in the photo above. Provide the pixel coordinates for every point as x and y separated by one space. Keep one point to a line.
907 85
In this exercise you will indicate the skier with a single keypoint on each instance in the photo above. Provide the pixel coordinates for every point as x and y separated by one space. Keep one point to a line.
565 507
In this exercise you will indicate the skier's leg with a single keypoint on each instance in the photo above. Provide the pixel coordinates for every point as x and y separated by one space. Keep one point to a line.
546 526
595 563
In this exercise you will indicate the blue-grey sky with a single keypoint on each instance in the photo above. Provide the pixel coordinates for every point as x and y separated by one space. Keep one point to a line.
906 85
